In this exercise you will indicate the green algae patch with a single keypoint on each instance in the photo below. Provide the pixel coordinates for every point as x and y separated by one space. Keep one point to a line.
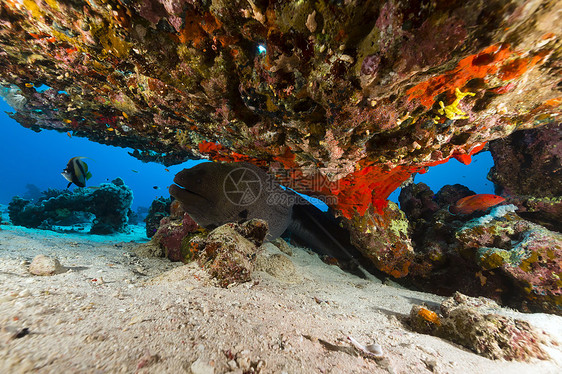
398 226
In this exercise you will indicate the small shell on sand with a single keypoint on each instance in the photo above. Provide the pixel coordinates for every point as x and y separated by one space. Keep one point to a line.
43 265
201 367
372 350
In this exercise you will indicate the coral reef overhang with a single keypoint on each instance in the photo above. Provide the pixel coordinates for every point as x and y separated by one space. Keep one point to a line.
352 97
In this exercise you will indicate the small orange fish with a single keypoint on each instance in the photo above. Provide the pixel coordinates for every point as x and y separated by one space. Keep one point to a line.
167 169
472 203
69 134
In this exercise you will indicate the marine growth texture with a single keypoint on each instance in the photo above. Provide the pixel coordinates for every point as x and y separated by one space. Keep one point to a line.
351 96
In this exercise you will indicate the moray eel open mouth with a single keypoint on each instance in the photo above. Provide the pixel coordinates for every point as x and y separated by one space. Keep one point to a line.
183 193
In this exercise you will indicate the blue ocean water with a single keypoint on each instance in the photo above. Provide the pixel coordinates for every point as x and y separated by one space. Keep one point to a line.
472 176
39 158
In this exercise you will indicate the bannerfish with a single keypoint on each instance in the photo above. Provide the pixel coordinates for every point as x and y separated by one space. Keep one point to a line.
76 172
214 193
472 203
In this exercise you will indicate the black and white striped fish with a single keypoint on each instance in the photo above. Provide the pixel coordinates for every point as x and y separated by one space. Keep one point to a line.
76 172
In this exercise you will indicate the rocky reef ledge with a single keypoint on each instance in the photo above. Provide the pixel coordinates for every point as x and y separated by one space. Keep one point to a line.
344 99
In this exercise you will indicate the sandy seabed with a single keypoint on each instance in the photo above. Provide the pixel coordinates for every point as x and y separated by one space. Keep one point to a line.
116 312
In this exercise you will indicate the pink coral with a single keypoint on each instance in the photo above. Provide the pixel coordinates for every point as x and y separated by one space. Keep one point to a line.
171 233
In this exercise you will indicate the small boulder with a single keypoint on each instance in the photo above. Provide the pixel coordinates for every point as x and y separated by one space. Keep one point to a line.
467 321
43 265
171 233
228 253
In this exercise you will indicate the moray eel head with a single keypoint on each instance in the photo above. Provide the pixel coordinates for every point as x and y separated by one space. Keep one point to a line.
192 189
189 183
216 193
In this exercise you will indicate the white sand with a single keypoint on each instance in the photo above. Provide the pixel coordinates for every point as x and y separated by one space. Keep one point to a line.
115 312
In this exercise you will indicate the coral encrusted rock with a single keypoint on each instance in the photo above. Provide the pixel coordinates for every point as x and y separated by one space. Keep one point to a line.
174 228
472 323
416 201
383 238
159 209
493 253
528 167
351 96
109 204
171 234
436 266
228 252
528 254
529 162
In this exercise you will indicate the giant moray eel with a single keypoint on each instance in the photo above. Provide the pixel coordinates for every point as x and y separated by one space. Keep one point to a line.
217 193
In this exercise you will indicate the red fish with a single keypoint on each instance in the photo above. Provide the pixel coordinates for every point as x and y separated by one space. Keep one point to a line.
472 203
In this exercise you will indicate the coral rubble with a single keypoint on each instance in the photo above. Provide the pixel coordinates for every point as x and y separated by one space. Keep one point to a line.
110 205
353 96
